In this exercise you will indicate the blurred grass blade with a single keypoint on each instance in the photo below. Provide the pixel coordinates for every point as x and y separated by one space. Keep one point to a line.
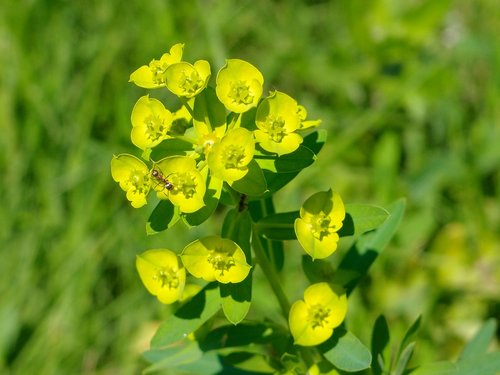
410 333
404 358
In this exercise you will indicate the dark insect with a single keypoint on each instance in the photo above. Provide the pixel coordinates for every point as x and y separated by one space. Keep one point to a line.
162 179
242 204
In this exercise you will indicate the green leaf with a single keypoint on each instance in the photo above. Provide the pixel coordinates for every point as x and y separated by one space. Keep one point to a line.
292 162
361 218
208 110
404 358
171 147
481 340
164 216
485 364
275 181
236 298
347 352
253 184
278 226
380 340
363 253
410 333
211 199
188 317
317 270
274 250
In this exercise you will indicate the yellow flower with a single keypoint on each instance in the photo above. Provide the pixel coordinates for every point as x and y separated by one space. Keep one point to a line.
162 274
152 76
186 80
133 176
313 319
215 258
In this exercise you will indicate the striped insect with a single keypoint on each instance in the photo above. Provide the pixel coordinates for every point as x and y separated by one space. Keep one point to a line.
162 180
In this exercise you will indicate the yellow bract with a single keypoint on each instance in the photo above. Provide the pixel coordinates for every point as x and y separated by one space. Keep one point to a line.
313 319
133 176
162 274
215 258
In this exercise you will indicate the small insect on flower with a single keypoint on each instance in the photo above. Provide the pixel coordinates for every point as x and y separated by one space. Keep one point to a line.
162 179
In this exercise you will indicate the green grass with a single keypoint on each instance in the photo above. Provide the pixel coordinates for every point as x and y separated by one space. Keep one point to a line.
408 93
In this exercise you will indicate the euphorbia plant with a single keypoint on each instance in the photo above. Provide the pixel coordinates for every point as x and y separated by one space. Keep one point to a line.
232 148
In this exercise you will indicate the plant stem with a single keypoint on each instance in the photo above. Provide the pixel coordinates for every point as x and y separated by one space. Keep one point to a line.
270 273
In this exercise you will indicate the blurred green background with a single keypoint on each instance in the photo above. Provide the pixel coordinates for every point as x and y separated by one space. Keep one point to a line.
408 91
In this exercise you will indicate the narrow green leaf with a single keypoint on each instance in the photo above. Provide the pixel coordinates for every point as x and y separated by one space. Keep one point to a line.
363 253
481 340
173 356
380 340
410 333
404 358
347 352
293 162
317 270
361 218
164 216
188 317
275 181
171 147
278 226
253 184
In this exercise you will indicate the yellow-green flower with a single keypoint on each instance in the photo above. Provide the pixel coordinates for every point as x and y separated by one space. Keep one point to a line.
306 124
320 219
177 179
133 176
277 119
228 159
239 85
313 319
215 258
152 76
151 122
186 80
162 274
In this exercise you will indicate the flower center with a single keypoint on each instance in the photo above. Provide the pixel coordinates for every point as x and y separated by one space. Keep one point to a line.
240 93
158 70
183 183
155 127
233 156
318 315
275 127
190 83
321 226
220 260
166 277
138 182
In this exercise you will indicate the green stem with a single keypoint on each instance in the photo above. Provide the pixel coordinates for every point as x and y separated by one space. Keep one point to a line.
185 103
270 273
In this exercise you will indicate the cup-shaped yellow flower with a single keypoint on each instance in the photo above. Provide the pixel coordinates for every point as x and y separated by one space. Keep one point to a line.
321 217
186 80
215 258
277 119
228 159
239 85
162 274
313 319
151 122
177 179
133 176
152 76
